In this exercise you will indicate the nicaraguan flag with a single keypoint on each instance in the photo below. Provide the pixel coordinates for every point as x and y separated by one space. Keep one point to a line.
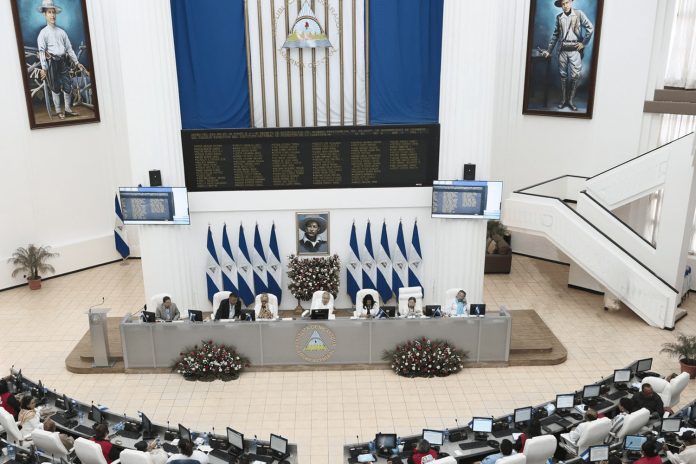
369 265
384 267
212 270
258 260
274 270
415 261
245 273
399 262
228 265
120 232
354 267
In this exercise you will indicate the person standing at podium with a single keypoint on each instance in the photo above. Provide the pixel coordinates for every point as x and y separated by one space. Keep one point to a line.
232 303
167 311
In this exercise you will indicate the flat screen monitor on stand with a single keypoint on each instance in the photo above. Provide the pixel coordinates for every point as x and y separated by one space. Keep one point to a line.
482 426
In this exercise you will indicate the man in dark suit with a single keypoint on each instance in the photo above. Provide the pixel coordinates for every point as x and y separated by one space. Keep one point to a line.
223 311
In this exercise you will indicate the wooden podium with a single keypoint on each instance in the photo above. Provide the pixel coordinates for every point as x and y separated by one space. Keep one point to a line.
99 336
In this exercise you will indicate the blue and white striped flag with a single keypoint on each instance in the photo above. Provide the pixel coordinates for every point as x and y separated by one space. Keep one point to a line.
273 267
228 265
353 267
258 260
399 262
120 232
415 261
245 273
212 269
369 265
384 266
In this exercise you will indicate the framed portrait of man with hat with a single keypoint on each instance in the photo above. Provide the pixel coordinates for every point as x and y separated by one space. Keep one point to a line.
55 55
312 233
562 51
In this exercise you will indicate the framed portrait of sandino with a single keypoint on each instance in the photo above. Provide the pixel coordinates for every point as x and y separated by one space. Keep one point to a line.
55 55
312 233
562 51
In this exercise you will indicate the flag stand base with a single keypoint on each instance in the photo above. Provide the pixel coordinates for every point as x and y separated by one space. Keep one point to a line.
299 309
124 262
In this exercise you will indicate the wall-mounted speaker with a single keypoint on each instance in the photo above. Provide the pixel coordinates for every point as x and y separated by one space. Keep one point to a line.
469 172
155 178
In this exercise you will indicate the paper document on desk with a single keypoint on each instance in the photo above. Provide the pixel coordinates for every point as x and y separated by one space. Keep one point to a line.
205 448
636 385
366 458
580 408
515 436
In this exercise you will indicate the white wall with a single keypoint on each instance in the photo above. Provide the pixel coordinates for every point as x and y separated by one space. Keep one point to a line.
529 149
57 185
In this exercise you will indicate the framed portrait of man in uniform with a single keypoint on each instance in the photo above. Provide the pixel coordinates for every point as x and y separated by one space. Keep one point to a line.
562 51
312 233
55 56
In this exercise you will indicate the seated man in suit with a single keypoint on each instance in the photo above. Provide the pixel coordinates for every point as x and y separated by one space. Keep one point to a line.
648 399
233 303
265 310
167 310
458 306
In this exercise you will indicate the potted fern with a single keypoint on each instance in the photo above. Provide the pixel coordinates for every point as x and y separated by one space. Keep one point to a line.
31 262
683 349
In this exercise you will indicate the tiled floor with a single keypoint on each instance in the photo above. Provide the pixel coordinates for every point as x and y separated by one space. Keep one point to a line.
321 411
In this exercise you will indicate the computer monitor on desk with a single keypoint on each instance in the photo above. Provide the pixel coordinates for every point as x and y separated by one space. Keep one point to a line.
195 315
565 402
523 415
184 433
670 425
599 453
692 415
621 376
149 316
633 443
319 314
590 393
279 447
247 315
481 426
97 415
477 309
68 406
434 437
644 365
236 441
432 311
147 427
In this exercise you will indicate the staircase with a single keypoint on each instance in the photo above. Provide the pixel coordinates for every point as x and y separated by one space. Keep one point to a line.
575 214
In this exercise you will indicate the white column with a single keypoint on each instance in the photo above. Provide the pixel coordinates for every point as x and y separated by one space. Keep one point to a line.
469 48
154 124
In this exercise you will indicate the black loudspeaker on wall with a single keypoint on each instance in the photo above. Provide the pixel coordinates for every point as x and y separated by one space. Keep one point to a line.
155 178
469 172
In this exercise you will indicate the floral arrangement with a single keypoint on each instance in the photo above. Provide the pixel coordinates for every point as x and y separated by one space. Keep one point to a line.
309 275
423 357
210 362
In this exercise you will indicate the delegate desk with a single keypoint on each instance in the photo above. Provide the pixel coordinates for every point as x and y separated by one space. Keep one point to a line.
120 440
470 450
312 342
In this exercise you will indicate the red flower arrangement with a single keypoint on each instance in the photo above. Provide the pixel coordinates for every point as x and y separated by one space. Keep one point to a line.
423 357
210 362
309 275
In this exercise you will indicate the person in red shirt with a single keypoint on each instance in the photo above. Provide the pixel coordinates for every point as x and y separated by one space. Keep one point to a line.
424 453
100 433
8 400
650 450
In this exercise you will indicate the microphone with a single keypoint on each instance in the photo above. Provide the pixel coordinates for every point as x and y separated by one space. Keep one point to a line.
89 311
357 437
456 422
167 426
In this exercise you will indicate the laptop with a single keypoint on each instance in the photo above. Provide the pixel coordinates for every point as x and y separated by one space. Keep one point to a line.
279 447
390 310
322 313
195 316
247 315
433 311
477 309
148 316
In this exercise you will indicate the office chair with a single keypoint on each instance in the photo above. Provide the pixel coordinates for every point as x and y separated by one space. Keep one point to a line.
217 298
594 434
633 423
513 459
676 386
316 302
50 445
89 452
8 423
129 456
538 449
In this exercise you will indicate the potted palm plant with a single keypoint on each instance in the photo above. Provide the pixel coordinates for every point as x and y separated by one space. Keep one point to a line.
31 261
498 250
683 349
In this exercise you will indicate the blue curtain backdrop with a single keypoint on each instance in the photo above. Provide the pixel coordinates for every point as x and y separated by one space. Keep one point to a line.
405 54
210 48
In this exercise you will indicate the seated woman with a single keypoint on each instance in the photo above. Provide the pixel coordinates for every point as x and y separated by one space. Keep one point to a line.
100 437
424 453
66 440
411 310
29 418
369 307
187 452
8 401
264 309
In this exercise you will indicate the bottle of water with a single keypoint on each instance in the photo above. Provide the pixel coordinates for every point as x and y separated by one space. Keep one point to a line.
446 435
80 415
206 439
11 452
510 424
254 445
372 447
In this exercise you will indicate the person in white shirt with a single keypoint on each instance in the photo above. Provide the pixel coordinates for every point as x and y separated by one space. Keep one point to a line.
688 454
57 57
158 455
186 451
29 417
368 307
411 310
458 306
575 434
265 310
